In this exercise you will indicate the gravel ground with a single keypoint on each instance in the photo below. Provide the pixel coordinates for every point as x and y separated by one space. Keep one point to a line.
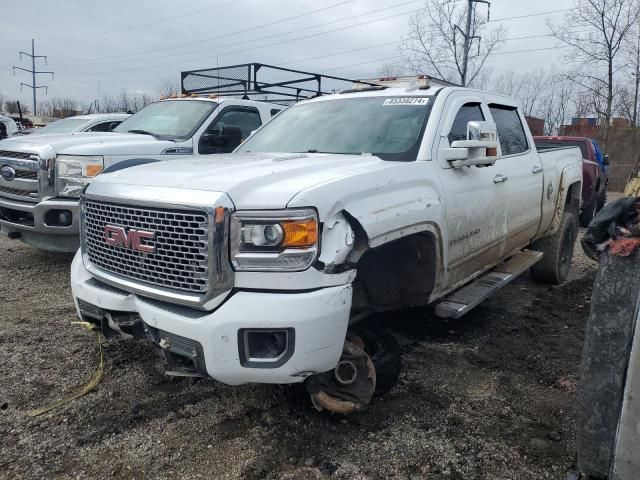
488 397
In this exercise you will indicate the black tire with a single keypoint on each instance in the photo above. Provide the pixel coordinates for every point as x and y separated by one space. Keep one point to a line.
602 199
589 211
558 252
386 357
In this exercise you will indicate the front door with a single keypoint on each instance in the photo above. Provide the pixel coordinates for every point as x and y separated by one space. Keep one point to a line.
476 206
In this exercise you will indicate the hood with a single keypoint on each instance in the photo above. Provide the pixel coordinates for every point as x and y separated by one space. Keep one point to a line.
252 180
90 143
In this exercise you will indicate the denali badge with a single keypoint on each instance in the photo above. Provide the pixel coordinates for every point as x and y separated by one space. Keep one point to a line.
7 173
132 239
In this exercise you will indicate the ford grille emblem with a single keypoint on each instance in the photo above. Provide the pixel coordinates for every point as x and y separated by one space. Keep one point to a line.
7 173
130 239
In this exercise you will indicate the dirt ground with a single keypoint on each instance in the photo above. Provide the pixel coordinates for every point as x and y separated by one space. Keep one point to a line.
488 397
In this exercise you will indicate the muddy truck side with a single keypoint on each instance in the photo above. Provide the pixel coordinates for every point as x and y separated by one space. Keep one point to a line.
42 176
266 265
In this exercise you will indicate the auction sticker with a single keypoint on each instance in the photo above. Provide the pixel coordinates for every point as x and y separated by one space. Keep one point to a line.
406 101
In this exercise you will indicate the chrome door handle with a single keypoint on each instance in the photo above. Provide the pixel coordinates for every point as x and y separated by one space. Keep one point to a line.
537 169
499 179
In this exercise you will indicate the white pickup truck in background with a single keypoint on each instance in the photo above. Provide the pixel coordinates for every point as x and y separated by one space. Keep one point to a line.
264 265
42 176
94 122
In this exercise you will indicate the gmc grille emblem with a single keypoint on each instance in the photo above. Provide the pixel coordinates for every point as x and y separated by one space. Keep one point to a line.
132 239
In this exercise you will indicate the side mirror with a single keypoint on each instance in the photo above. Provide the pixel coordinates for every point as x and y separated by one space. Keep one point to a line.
480 148
606 159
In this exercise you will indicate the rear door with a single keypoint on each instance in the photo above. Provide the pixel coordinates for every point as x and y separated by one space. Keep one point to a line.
475 204
520 170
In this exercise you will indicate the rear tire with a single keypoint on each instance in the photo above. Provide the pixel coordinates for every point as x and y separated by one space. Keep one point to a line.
587 214
602 199
558 252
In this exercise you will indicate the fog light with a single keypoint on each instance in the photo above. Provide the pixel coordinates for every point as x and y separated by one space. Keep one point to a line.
58 218
265 347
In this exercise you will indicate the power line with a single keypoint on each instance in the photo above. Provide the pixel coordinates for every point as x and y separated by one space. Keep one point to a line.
263 45
396 42
157 22
217 37
34 86
164 55
528 15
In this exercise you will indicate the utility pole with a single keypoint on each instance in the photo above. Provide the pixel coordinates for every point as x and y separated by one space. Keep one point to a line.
34 86
468 37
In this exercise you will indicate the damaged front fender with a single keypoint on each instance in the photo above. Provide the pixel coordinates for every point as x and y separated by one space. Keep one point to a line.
338 241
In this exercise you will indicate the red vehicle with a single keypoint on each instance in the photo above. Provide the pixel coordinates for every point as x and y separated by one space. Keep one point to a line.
595 176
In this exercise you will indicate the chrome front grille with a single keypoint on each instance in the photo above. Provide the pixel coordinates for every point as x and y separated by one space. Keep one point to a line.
29 174
14 192
25 184
20 155
181 240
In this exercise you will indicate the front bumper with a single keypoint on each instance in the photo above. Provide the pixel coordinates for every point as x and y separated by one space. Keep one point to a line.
319 319
26 221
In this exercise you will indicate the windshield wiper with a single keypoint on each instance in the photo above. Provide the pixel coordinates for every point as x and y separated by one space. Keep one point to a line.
143 132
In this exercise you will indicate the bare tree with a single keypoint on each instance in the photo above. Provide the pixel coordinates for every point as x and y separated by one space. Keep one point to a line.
108 104
168 87
435 45
633 59
545 94
14 106
555 102
595 52
59 107
392 69
528 87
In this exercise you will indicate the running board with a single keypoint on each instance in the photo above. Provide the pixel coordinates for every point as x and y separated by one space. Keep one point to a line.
463 300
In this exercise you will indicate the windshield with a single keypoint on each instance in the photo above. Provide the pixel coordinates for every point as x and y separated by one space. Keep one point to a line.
542 144
66 125
390 128
175 119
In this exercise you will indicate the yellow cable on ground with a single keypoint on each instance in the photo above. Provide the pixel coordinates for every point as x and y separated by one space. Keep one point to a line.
95 379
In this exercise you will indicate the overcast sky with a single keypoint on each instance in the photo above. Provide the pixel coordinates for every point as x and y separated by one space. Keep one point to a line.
98 48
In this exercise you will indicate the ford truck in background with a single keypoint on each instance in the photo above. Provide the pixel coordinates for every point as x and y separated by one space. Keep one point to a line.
42 176
266 265
595 174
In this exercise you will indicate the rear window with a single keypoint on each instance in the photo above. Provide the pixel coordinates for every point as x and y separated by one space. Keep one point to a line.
511 134
543 143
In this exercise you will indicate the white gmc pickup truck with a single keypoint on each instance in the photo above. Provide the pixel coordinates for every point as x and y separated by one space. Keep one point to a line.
264 265
42 176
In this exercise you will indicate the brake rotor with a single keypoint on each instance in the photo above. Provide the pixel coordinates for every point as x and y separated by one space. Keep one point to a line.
349 387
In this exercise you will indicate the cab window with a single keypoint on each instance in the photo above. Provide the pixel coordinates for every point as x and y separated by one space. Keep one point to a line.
247 119
105 126
468 112
229 130
511 134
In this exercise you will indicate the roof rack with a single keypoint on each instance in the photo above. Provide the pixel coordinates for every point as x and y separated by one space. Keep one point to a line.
251 80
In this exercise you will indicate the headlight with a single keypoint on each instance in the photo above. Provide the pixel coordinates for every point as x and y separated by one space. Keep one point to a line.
284 240
75 171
